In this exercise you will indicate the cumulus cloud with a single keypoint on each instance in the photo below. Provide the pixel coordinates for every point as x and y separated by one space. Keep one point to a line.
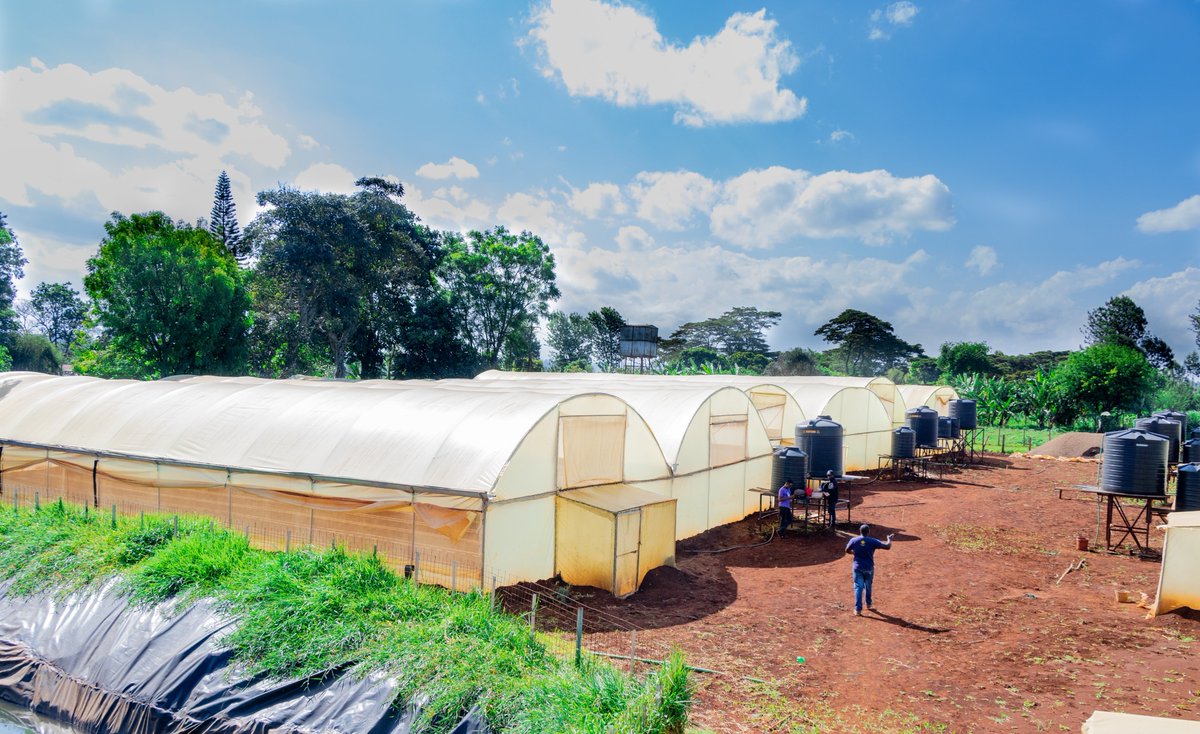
616 53
896 15
762 208
598 199
1168 301
1183 216
70 133
307 142
634 238
449 208
454 168
983 259
539 215
329 178
671 200
839 135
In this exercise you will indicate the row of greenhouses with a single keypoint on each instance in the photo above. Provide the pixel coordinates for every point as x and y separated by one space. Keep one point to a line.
515 476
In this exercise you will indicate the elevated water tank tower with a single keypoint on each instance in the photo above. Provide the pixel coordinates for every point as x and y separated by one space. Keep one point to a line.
639 344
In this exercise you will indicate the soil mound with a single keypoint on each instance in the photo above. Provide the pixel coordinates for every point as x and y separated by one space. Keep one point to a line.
1072 445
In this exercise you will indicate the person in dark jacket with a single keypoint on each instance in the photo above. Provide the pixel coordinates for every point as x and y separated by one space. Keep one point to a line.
830 488
785 505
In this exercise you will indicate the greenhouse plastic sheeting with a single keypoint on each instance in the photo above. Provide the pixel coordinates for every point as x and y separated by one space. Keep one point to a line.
1108 722
1179 577
93 661
937 397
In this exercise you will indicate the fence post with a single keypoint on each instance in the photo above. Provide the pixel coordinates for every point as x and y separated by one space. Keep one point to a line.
287 542
1003 438
417 567
632 651
454 574
37 501
578 636
247 534
533 605
175 525
493 591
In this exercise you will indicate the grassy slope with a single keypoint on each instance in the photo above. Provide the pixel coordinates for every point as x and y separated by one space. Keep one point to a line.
307 611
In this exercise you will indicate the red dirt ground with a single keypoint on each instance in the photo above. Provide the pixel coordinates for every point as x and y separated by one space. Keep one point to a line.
972 634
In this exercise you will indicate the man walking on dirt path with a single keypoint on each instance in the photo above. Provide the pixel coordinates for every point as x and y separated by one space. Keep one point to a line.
785 505
863 547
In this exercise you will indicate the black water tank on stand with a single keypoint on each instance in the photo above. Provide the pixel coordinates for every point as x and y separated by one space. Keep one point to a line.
1135 462
1187 491
789 463
1163 427
1180 418
964 411
821 439
1196 432
924 421
904 443
1189 451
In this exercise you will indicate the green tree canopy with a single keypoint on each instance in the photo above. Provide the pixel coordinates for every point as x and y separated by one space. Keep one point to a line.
798 361
606 346
169 298
1104 377
223 223
866 345
325 261
1122 322
740 329
501 281
58 312
572 339
964 358
35 353
12 269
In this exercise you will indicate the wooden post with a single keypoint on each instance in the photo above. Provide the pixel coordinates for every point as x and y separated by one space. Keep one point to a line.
417 567
533 605
37 501
175 526
632 651
287 541
578 636
114 516
454 574
493 591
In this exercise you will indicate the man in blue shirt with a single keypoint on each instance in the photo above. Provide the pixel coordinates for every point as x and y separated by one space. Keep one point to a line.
863 547
785 505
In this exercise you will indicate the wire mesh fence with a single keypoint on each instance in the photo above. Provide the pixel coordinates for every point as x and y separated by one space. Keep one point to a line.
564 625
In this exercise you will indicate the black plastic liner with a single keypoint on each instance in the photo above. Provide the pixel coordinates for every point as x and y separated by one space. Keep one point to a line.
102 665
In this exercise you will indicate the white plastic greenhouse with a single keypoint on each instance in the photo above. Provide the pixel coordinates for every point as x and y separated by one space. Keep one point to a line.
884 389
710 434
469 479
937 397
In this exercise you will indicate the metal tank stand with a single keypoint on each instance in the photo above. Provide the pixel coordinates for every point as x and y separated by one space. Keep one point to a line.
1120 524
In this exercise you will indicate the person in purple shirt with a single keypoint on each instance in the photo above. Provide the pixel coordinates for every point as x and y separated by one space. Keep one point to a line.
785 505
863 548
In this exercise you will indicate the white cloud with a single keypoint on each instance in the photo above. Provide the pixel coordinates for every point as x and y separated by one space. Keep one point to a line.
449 208
67 132
762 208
1183 216
329 178
455 167
898 14
1168 301
598 199
839 135
634 238
983 259
307 142
538 215
671 200
614 52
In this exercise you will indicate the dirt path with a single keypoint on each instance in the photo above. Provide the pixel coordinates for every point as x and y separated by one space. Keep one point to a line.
971 632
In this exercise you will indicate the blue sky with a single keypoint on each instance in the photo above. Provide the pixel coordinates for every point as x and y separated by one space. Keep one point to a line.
976 170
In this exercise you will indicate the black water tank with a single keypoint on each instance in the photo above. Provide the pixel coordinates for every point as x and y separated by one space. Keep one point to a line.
948 427
964 411
1187 491
904 443
1189 451
821 439
1180 418
1196 432
1135 462
924 421
1163 427
789 463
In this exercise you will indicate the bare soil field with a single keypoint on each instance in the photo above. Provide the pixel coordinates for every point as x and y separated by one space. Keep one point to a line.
971 632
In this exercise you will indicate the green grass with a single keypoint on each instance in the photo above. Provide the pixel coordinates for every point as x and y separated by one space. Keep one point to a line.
309 612
1013 439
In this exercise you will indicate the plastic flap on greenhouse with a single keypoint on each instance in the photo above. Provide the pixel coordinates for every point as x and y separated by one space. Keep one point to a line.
96 662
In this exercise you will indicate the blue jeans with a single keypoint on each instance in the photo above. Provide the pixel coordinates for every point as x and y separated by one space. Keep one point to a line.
862 582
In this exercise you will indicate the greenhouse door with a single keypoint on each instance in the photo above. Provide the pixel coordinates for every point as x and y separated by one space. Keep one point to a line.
628 552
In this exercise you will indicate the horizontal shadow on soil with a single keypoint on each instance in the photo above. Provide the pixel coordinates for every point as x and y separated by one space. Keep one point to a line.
901 622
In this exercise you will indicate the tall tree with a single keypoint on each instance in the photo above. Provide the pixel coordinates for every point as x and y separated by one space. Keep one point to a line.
223 223
324 259
964 358
1119 321
12 269
572 338
502 281
606 346
798 361
169 298
58 312
1103 377
740 329
866 345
